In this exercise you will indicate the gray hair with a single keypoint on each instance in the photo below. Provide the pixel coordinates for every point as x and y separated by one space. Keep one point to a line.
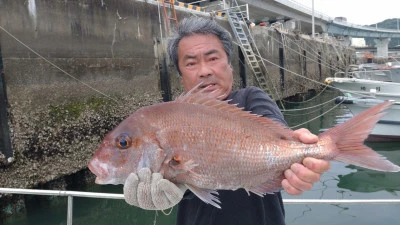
198 25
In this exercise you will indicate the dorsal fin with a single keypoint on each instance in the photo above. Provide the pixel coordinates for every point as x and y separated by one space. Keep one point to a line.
203 98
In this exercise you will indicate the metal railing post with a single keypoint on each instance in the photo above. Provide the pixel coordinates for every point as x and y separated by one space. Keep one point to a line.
70 208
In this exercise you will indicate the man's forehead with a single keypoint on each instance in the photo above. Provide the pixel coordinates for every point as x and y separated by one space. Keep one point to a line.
191 45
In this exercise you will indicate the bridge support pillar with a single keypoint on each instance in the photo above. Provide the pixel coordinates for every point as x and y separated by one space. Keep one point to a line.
382 47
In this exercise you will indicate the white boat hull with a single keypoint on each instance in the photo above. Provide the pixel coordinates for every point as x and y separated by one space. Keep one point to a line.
363 88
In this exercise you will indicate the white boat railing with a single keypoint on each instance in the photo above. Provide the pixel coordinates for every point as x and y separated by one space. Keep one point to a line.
377 75
71 194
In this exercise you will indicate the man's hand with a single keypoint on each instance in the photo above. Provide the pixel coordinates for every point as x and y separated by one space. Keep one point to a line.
301 177
150 191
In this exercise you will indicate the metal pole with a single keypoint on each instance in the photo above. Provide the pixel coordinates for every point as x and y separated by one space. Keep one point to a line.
319 64
398 40
164 77
198 2
312 21
242 67
5 140
82 194
305 63
281 67
247 11
69 213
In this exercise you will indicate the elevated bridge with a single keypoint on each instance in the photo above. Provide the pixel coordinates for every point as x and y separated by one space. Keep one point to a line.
299 17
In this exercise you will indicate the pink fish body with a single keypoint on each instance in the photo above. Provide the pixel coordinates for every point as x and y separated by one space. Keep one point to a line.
209 144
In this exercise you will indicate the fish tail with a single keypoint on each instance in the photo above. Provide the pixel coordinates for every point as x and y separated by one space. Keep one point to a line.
349 138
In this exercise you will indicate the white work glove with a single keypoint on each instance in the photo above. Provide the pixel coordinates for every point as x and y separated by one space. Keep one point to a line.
150 191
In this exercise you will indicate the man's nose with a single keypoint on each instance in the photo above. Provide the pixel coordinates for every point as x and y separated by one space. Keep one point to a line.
205 70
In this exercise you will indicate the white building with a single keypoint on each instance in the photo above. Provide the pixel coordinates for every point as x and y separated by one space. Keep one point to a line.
358 42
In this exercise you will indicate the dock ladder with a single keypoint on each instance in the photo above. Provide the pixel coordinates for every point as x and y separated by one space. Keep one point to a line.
171 4
250 51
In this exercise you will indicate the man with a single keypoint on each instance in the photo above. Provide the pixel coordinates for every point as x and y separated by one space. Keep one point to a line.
201 51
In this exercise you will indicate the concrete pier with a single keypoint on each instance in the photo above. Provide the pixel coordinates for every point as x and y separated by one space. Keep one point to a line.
382 47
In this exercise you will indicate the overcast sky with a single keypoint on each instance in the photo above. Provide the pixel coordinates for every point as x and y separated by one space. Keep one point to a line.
362 12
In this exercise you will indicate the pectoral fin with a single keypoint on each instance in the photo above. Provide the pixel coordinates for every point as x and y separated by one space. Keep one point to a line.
180 165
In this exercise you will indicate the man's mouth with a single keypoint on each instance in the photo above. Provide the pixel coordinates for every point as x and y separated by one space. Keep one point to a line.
208 86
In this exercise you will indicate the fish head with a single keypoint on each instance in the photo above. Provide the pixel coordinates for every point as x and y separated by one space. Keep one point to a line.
126 149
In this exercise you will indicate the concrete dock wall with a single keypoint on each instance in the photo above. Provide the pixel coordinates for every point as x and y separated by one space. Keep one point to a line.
306 62
98 66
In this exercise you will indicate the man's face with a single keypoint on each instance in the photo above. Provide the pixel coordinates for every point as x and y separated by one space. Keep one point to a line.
202 58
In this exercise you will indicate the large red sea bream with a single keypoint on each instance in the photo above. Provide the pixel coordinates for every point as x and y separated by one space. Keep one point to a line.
208 144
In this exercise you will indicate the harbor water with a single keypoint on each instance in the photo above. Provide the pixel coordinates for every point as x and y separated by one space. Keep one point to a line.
342 181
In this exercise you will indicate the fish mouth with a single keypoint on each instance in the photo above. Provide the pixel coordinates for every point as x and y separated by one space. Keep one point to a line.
99 180
98 170
109 181
104 174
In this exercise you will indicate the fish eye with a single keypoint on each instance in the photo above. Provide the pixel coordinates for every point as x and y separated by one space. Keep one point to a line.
123 141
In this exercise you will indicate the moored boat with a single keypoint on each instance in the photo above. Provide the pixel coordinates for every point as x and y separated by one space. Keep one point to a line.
387 128
367 82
